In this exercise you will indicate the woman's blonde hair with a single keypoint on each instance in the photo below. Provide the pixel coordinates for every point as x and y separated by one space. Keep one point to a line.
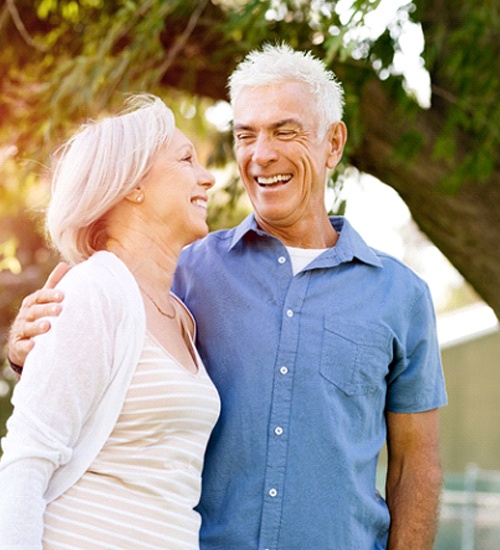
100 165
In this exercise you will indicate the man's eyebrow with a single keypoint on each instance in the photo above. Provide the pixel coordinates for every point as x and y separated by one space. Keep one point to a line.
236 127
278 124
285 122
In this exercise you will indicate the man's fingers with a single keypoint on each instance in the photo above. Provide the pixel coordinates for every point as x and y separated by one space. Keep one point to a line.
36 311
31 329
29 322
56 275
24 330
40 297
21 339
19 350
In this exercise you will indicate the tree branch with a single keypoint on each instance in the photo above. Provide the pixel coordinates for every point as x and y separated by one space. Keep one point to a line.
11 6
183 38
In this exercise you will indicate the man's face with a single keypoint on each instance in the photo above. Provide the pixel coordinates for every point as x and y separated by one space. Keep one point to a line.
281 158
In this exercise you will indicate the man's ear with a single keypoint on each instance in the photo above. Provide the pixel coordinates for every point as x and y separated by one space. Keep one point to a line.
337 136
136 196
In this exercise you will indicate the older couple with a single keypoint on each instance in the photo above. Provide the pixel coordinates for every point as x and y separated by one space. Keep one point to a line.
322 350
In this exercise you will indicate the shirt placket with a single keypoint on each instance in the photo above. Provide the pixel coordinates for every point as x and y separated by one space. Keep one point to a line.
278 430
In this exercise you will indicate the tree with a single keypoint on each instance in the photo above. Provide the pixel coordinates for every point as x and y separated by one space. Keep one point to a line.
449 176
63 59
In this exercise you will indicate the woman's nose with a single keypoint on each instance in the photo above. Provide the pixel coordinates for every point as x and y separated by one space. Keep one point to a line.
207 179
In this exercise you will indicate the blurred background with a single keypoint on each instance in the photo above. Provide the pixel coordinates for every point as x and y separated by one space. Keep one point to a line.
419 178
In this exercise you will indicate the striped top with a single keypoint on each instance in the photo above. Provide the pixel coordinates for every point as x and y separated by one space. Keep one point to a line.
141 489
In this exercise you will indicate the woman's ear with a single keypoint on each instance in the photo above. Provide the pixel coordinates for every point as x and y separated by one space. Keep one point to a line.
136 196
337 136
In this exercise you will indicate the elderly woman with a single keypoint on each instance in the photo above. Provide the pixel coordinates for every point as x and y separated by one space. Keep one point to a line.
111 456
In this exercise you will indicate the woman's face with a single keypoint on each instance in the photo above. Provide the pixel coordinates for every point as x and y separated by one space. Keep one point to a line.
175 192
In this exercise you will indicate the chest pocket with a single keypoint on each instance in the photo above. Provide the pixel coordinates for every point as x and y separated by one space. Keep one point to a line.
355 357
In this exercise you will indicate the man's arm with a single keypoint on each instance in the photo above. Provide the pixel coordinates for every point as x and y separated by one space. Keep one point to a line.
413 479
41 303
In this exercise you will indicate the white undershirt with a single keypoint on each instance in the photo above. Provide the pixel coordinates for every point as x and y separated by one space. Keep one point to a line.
301 257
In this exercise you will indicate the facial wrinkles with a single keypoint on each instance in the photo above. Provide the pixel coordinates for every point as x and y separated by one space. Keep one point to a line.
308 156
293 151
301 207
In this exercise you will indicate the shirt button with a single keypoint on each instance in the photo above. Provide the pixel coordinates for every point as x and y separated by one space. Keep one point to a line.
282 259
283 370
289 313
278 430
273 492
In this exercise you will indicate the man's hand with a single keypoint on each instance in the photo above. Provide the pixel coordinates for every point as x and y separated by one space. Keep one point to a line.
41 303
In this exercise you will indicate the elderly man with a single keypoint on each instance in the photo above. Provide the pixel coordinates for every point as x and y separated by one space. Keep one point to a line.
322 348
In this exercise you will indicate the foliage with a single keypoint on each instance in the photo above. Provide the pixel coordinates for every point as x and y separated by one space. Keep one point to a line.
463 57
74 59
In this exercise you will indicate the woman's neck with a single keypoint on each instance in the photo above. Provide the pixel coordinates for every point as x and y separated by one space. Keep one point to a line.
151 265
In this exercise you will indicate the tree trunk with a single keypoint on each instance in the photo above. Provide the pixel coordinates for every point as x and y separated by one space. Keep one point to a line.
464 224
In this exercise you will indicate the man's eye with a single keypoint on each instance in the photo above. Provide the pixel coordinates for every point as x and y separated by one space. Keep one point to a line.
243 137
188 158
286 134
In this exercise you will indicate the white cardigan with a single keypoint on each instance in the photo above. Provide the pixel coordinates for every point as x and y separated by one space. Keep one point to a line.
70 395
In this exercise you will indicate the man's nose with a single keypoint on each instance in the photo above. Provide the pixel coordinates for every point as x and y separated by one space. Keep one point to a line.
264 150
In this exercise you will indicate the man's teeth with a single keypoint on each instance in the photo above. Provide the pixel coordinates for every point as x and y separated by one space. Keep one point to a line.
274 179
200 202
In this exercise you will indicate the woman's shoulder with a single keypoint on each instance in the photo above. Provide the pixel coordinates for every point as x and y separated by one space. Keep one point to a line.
102 268
102 276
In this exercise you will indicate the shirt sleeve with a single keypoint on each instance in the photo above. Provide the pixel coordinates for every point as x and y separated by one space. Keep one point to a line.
416 381
63 380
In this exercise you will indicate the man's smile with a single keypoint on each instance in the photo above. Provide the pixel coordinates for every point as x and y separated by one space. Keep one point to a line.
273 180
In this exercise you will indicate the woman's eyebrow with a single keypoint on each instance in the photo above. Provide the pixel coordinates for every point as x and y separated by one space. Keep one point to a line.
186 149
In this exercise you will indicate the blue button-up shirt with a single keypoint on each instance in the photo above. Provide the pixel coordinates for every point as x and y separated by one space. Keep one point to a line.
306 367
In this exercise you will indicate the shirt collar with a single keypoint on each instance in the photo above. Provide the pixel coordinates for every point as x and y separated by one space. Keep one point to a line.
349 246
246 226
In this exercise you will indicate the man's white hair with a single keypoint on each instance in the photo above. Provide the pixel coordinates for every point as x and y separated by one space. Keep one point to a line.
276 63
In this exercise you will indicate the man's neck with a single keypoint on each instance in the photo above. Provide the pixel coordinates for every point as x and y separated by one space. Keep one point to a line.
318 235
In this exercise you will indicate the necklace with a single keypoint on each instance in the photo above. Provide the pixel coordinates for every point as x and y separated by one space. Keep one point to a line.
164 313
